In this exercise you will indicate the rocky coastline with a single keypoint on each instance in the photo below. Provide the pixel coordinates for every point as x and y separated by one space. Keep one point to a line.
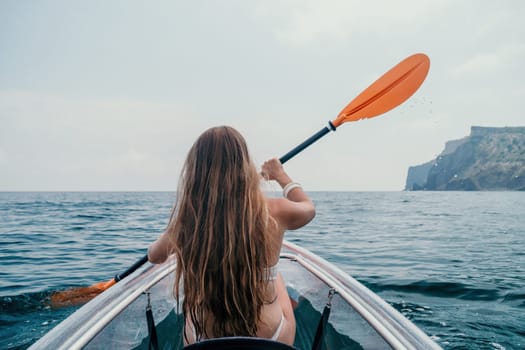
489 159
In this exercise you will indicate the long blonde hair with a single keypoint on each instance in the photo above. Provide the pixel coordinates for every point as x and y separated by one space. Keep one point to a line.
218 229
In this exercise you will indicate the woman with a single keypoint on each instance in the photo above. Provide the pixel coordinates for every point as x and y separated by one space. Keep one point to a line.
227 238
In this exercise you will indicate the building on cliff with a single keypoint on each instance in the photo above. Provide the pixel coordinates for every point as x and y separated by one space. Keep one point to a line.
491 159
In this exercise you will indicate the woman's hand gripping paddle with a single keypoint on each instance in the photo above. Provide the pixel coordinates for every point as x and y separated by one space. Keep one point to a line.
80 295
387 92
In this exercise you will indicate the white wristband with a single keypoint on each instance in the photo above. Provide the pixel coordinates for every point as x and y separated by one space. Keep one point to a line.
290 187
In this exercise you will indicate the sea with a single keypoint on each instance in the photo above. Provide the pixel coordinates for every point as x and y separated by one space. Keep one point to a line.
451 262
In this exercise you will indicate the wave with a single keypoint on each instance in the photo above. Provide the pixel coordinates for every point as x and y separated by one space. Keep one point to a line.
24 303
26 317
439 289
515 298
90 216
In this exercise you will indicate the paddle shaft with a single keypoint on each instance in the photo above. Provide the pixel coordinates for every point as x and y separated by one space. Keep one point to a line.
132 268
307 142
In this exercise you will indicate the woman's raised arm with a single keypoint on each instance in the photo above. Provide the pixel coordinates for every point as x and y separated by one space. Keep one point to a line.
296 209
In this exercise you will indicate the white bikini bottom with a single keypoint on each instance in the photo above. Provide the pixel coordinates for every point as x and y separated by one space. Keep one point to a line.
279 329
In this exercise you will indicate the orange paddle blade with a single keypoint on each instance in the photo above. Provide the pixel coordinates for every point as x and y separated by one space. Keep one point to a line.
79 295
387 92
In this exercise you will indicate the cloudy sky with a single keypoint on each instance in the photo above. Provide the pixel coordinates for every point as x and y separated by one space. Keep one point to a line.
110 95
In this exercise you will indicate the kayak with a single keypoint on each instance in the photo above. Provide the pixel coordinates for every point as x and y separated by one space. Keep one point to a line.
332 310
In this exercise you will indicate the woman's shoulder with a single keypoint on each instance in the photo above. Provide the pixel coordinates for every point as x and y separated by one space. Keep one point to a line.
276 209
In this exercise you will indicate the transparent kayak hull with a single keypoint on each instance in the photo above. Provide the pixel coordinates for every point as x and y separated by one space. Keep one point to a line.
359 319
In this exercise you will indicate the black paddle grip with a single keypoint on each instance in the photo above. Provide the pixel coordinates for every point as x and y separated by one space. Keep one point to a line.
132 268
307 142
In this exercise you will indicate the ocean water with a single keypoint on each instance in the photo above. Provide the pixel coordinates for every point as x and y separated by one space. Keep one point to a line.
452 262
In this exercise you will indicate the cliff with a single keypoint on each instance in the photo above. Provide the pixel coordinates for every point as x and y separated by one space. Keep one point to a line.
487 159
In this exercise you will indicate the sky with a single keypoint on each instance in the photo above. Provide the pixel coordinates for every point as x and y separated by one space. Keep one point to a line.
110 95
